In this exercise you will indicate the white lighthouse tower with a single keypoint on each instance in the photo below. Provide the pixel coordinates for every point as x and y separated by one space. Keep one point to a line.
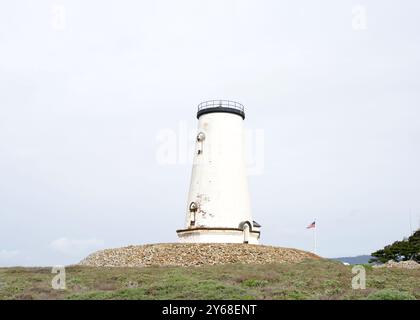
219 209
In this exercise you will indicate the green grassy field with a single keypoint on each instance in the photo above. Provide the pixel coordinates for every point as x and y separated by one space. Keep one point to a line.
312 279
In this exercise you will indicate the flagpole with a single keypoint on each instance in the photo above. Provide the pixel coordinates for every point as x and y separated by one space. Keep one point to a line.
315 239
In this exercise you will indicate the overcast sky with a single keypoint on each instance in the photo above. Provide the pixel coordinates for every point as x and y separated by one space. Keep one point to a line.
88 89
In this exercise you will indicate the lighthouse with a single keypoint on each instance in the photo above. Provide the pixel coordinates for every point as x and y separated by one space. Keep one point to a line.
218 207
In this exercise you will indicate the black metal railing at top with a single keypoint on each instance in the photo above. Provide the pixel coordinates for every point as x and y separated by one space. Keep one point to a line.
220 104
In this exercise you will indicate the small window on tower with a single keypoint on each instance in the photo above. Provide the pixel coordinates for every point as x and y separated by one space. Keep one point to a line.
201 137
193 209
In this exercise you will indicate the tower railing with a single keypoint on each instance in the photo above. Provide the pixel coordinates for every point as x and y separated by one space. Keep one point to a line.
220 104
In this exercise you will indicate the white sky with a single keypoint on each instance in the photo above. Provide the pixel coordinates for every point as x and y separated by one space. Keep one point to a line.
84 97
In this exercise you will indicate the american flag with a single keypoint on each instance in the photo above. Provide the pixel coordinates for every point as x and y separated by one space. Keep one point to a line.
312 225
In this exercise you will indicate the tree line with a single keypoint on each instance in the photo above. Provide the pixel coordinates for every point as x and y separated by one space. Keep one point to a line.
407 249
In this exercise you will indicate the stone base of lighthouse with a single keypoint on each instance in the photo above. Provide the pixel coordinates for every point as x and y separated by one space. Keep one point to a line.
217 235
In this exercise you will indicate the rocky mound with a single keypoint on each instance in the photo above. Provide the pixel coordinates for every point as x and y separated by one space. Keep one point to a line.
410 264
193 254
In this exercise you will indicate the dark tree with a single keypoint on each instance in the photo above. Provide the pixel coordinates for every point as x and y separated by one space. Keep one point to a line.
407 249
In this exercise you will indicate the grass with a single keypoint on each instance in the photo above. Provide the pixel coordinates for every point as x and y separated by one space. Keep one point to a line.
311 279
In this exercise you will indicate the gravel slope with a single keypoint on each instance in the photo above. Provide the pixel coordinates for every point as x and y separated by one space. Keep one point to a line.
193 254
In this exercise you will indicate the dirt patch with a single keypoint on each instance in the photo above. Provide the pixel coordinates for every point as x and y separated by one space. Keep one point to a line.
410 264
193 254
